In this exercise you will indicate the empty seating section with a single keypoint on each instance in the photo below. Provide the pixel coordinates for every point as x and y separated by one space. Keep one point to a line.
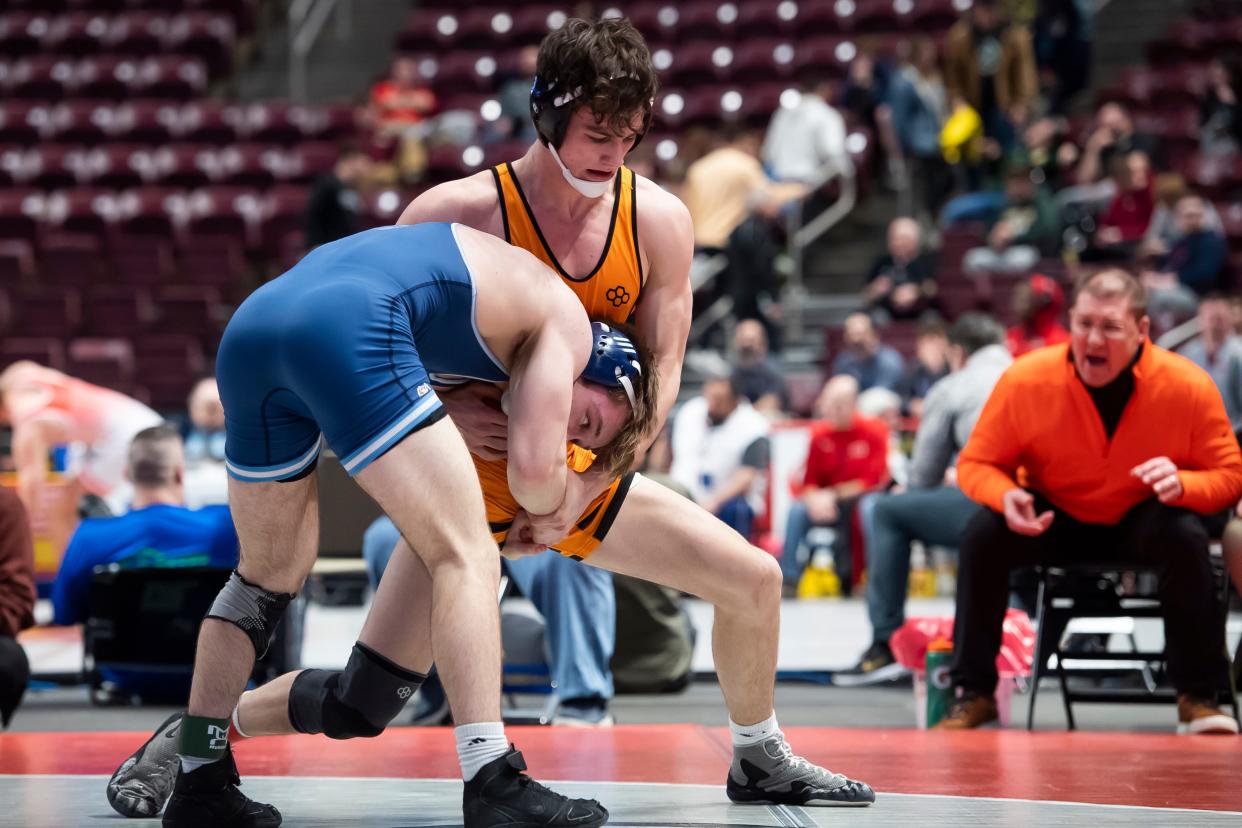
134 209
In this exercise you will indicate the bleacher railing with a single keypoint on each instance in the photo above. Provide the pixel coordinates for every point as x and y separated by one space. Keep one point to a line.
306 21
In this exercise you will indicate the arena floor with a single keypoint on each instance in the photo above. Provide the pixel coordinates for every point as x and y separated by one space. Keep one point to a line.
672 775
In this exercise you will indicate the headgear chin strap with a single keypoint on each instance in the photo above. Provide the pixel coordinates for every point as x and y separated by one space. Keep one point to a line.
614 361
550 110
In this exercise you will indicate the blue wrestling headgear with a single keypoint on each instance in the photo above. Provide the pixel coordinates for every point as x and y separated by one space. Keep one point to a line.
614 360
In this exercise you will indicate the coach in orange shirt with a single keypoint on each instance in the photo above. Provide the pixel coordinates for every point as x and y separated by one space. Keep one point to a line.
1120 447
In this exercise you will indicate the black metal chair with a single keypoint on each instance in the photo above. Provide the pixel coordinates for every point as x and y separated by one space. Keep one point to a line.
1108 591
146 620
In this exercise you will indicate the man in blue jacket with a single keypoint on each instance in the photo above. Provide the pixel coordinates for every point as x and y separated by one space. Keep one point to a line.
159 532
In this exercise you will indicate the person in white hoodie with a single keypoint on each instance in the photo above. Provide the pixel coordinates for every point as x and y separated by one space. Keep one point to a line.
720 452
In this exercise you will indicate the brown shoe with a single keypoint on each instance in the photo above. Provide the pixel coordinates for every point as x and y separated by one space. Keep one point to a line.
969 712
1196 715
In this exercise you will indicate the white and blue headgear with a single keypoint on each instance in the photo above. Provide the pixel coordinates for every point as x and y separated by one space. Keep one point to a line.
614 360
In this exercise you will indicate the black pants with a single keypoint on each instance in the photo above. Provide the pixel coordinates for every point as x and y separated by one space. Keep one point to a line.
14 673
1151 534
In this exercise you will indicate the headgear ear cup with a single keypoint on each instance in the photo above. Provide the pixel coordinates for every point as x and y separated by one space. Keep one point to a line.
614 360
551 109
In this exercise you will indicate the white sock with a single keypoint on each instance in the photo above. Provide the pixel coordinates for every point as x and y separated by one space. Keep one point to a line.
754 734
478 744
192 763
237 722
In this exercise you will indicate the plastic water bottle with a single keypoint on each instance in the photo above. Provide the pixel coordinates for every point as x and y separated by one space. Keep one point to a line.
939 684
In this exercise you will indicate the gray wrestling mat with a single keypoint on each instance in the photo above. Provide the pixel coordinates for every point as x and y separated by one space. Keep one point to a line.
70 801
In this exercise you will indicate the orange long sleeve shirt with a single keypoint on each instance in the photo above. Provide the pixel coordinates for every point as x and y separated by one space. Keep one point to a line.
1041 422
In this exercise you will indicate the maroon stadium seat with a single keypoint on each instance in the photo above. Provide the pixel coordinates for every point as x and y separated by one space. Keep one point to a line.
76 33
760 60
184 165
48 351
170 76
107 362
284 209
137 34
250 165
871 16
658 21
707 20
697 63
189 309
53 312
21 33
168 364
929 16
230 212
142 258
309 160
206 35
18 122
42 78
72 260
20 211
206 122
84 210
141 122
106 77
159 212
273 123
17 263
118 310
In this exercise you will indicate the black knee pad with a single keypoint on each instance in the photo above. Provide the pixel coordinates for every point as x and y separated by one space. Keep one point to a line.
251 608
358 701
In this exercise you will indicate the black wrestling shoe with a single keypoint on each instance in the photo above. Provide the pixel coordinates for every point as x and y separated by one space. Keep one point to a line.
502 796
207 797
144 781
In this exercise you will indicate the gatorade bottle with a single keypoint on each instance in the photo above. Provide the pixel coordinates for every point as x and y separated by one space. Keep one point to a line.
939 685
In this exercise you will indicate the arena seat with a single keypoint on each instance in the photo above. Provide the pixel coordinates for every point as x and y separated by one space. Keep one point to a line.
118 310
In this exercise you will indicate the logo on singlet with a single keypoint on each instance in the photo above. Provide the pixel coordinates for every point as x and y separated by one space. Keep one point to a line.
422 389
618 296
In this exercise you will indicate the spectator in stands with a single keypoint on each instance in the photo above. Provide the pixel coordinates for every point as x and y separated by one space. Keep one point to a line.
1124 222
1196 259
732 204
1114 136
933 510
332 211
1047 149
577 603
206 478
1165 229
864 357
1123 448
990 65
848 456
47 409
757 376
401 100
1063 34
1220 122
920 107
902 282
513 93
158 532
720 453
1038 304
929 366
17 600
1218 350
867 94
1026 227
806 139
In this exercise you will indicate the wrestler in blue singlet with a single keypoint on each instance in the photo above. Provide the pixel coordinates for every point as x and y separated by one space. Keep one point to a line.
344 343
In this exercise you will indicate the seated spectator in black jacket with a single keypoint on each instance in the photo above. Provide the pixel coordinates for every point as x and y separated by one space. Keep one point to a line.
332 212
755 373
17 600
902 283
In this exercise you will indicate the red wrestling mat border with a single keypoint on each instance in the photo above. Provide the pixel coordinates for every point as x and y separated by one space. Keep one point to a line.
1154 770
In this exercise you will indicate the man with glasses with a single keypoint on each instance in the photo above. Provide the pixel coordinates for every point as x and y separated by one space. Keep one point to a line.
1108 449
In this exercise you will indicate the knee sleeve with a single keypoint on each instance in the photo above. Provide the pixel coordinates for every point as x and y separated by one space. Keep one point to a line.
251 608
358 701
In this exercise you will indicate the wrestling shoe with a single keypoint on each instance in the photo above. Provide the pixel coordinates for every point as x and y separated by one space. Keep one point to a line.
207 797
769 773
144 781
500 794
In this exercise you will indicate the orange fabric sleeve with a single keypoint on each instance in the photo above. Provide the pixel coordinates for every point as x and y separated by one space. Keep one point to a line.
1217 482
988 465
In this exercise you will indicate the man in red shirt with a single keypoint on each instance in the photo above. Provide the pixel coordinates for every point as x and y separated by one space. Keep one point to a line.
848 456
